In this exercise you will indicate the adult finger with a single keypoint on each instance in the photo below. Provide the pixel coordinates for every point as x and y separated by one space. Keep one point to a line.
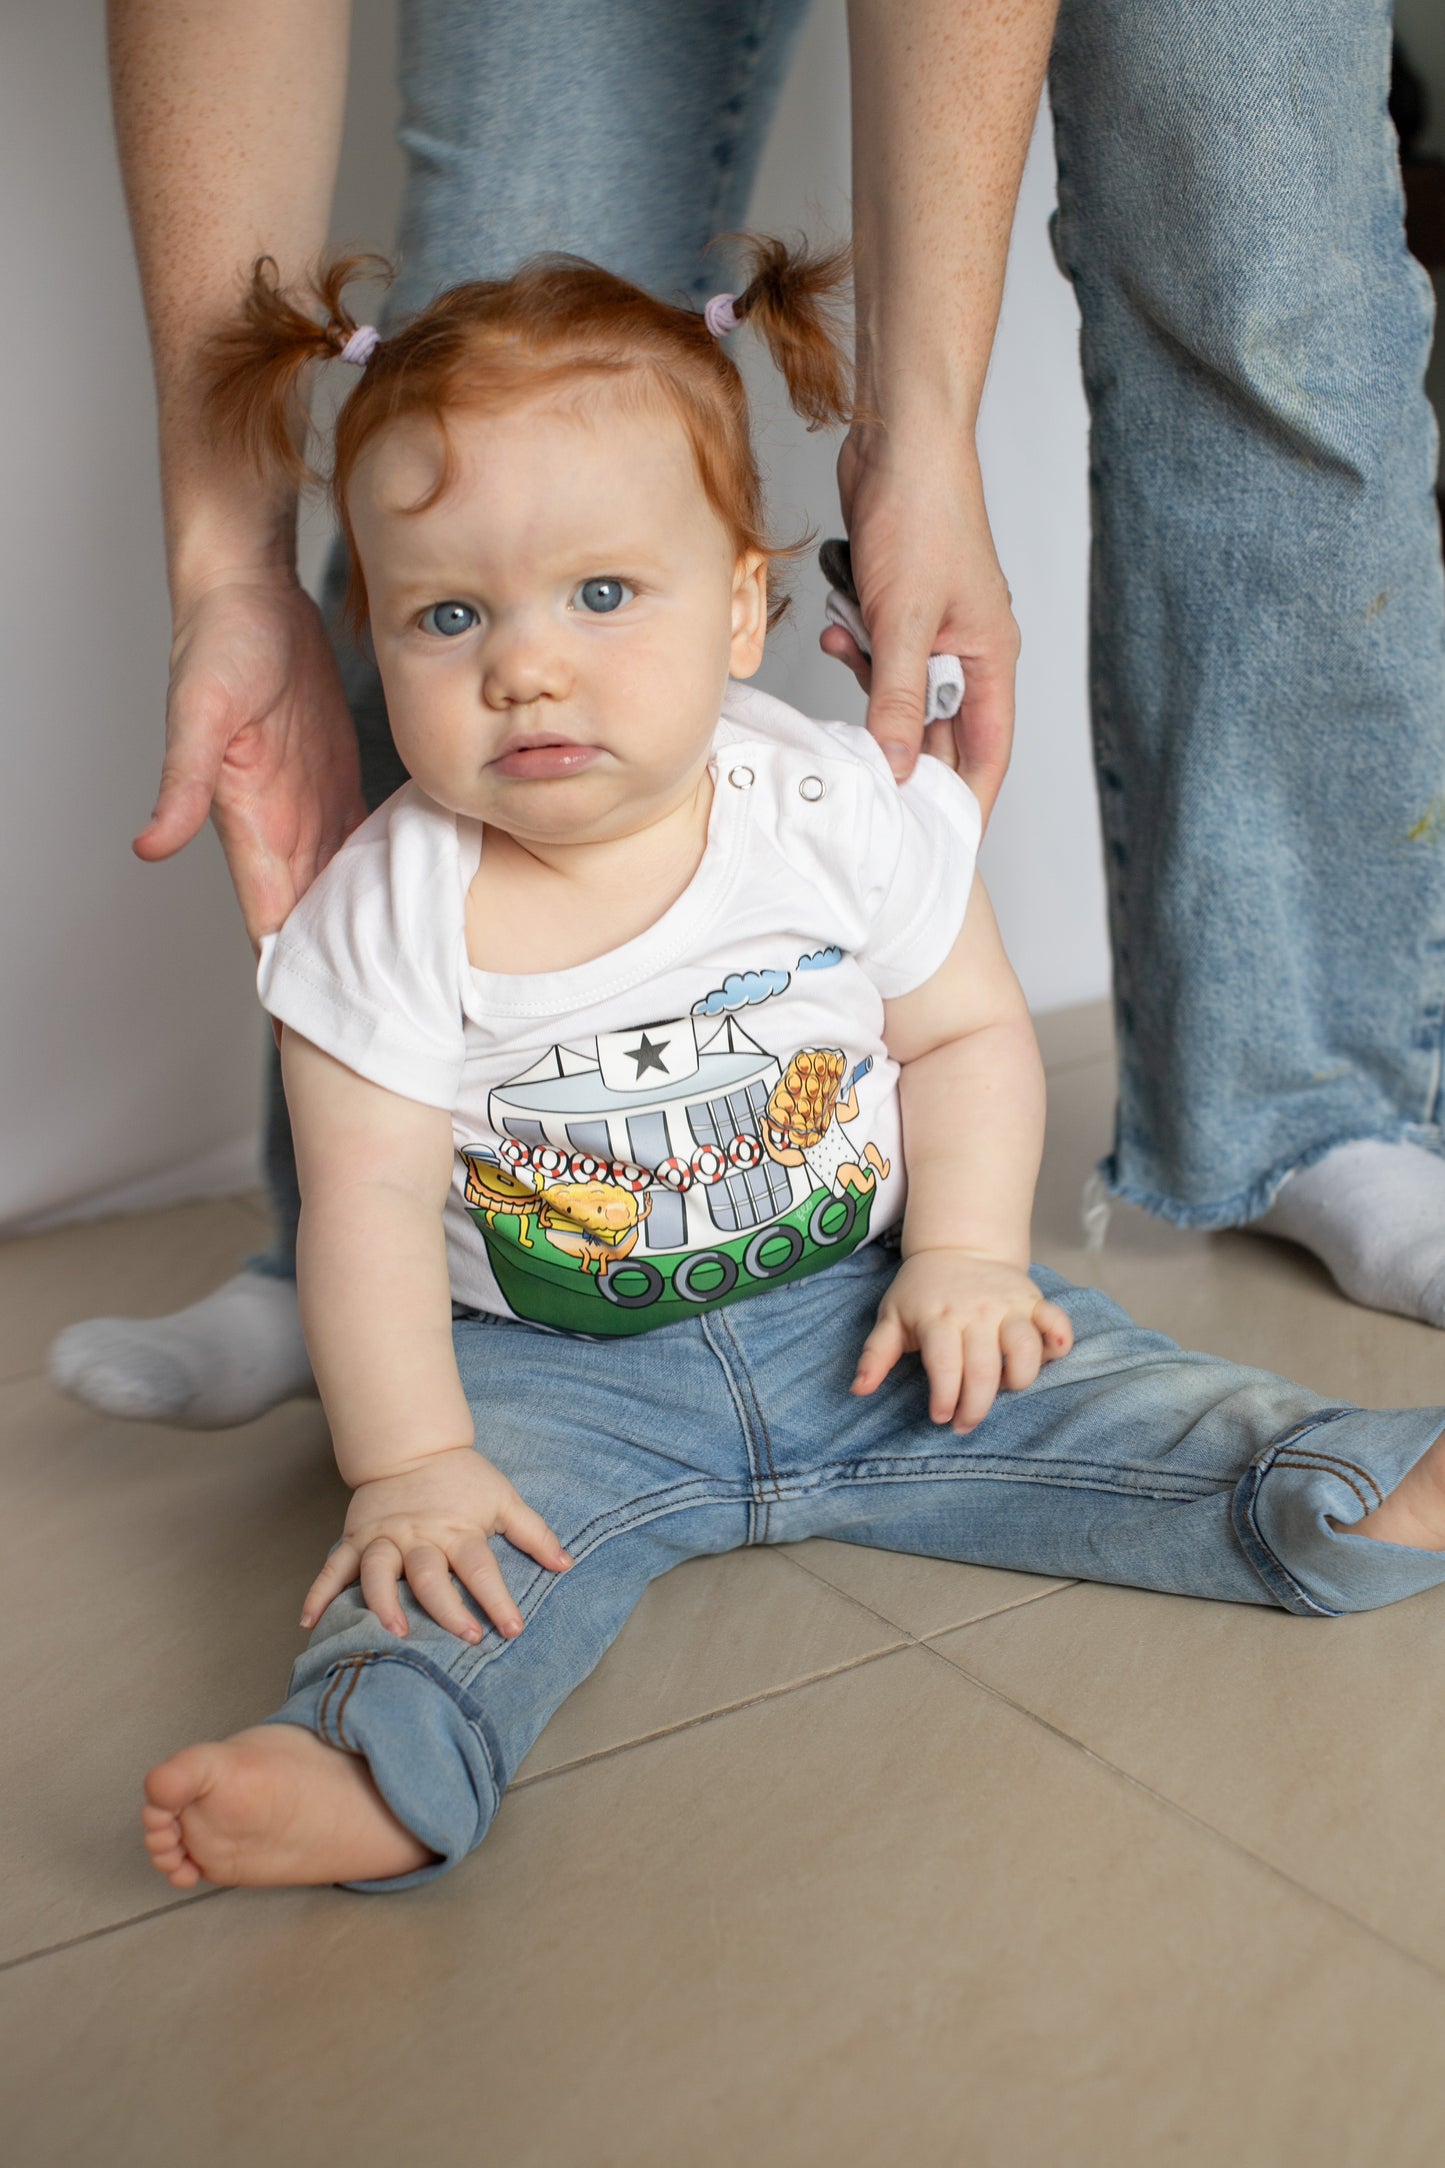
1023 1352
381 1564
195 750
338 1573
842 646
982 1370
475 1565
983 728
940 1343
879 1352
429 1578
901 648
528 1532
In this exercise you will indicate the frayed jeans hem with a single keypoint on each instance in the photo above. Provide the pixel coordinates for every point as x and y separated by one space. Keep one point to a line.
1249 1204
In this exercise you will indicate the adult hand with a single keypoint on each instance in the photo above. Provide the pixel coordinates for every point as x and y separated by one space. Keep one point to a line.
257 735
928 582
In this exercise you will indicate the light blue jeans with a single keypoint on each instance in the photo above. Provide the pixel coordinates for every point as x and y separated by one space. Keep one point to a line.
1128 1461
1268 631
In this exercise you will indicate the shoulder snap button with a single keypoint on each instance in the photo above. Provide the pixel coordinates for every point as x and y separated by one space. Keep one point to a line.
741 778
811 788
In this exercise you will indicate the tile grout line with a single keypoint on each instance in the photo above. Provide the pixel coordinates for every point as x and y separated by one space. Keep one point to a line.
112 1927
894 1626
520 1784
707 1716
1186 1814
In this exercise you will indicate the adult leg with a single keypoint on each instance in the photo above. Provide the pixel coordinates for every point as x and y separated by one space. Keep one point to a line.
635 1453
1268 636
630 134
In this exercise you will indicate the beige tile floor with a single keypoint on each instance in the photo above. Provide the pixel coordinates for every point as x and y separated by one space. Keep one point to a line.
839 1858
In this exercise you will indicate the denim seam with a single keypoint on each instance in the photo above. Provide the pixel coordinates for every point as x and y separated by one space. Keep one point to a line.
1272 1570
757 1520
580 1537
470 1710
755 1401
545 1583
1333 1464
358 1665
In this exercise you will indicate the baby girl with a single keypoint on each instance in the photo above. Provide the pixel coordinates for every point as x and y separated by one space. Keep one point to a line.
667 1113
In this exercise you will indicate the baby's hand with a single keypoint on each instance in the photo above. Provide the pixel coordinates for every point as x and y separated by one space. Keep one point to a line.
429 1523
976 1321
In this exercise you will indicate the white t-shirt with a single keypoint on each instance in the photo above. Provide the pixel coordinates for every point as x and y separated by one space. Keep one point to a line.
697 1115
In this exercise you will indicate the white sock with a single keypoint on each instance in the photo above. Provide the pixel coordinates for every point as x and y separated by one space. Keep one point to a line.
1375 1215
221 1362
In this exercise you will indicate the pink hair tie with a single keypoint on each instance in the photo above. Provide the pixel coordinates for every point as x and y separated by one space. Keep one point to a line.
360 347
720 316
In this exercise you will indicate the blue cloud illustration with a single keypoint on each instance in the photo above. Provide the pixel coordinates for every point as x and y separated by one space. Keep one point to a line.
822 959
740 990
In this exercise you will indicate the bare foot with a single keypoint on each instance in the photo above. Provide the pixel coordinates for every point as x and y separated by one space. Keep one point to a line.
1414 1512
272 1805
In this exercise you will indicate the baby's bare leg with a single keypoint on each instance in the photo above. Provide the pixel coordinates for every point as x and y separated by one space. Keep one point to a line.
1414 1512
272 1805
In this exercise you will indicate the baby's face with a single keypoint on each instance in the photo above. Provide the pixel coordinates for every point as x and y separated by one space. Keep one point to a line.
555 632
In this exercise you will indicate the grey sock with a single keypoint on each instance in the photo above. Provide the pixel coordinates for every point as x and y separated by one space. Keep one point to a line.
1375 1215
222 1361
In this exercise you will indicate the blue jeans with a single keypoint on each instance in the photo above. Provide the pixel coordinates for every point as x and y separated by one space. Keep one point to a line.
1268 630
1129 1461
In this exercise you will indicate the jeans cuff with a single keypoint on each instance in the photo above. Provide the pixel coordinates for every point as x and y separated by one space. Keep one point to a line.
429 1758
1337 1467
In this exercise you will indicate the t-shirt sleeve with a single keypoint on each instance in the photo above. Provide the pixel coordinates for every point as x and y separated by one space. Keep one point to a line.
917 863
367 965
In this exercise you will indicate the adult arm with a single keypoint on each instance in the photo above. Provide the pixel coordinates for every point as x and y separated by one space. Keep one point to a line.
228 119
944 98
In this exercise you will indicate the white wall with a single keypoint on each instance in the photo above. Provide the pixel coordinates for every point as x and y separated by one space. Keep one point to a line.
132 1047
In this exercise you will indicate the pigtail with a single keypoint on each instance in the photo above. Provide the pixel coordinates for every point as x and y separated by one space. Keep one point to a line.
791 300
256 367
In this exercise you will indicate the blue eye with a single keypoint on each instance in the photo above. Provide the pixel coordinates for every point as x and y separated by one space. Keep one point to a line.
449 618
600 596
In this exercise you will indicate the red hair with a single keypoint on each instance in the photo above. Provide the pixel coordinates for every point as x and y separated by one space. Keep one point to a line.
557 321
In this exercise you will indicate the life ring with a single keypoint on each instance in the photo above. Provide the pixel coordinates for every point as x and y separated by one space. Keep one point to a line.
816 1231
709 1163
753 1254
653 1287
683 1277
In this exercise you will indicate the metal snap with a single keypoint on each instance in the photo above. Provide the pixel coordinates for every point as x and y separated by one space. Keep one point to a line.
811 788
741 778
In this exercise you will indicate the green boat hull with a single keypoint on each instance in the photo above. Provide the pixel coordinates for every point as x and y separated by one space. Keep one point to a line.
639 1293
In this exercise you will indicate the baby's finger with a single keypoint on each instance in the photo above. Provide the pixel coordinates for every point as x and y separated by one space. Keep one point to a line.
879 1352
529 1532
940 1343
381 1564
1055 1328
430 1581
1023 1352
338 1573
982 1369
475 1565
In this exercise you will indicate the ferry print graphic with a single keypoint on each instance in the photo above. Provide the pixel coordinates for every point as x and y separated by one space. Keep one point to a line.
656 1172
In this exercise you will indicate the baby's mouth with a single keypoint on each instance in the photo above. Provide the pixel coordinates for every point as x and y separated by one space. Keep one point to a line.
540 760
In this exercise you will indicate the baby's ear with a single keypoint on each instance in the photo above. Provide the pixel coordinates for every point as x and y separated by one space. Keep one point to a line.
750 612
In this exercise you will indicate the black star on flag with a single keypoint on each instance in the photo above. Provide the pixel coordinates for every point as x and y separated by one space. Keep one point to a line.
648 1054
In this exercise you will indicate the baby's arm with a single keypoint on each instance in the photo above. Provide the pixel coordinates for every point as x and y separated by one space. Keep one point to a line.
972 1095
375 1171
